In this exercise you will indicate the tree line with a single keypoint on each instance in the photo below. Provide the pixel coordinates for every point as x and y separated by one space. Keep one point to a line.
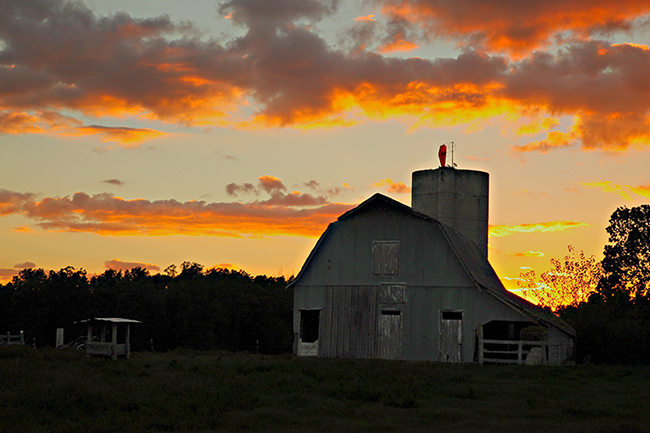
194 308
606 302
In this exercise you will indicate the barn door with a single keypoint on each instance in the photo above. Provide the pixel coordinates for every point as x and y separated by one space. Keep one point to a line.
451 336
390 334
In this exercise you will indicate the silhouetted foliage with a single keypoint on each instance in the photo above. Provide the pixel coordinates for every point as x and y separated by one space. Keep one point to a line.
569 282
614 325
626 259
213 309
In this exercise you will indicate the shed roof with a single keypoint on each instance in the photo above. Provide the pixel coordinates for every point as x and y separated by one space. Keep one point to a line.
476 266
109 320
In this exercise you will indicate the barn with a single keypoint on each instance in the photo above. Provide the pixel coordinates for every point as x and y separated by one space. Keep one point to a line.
391 281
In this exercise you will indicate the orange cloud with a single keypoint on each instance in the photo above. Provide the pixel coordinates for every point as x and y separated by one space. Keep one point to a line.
365 18
516 28
286 75
551 226
622 190
394 187
119 265
526 254
50 122
282 214
126 136
398 43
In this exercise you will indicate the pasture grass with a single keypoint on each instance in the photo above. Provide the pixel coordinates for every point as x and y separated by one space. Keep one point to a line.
62 391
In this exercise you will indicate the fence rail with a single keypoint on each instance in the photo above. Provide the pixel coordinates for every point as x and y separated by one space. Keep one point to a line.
512 351
8 339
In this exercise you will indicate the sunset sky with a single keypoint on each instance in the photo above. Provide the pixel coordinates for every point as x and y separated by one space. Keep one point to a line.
152 132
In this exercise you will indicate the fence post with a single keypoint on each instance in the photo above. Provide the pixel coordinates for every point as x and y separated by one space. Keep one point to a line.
519 352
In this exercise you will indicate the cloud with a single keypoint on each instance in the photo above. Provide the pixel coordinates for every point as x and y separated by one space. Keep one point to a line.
235 189
116 182
128 137
119 265
517 28
105 214
551 226
622 190
391 186
526 254
8 274
12 202
60 57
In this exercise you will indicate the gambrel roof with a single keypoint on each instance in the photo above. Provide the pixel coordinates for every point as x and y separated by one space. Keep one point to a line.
477 267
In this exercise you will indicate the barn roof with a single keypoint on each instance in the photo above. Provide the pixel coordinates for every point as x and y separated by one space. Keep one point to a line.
476 266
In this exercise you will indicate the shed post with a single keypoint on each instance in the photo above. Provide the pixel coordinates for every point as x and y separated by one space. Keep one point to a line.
480 344
128 341
114 342
103 340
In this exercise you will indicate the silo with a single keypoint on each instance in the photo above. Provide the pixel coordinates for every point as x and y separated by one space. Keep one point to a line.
457 198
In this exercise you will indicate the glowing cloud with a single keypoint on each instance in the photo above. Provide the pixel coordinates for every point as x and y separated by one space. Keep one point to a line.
526 254
60 57
516 28
119 265
551 226
394 187
622 190
105 214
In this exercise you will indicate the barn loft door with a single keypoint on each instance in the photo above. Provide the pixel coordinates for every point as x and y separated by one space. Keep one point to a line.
390 334
451 336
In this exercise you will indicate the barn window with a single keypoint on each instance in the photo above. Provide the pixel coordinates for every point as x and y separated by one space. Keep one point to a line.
385 257
452 315
391 312
309 325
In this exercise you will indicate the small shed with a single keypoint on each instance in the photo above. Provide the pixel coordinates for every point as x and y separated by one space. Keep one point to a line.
100 342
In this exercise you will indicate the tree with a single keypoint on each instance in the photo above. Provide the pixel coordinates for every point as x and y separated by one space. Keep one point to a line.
626 261
570 282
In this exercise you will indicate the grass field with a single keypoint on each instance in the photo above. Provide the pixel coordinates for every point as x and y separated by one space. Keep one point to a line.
62 391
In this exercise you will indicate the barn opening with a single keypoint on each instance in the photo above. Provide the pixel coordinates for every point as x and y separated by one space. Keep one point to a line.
515 342
309 332
309 325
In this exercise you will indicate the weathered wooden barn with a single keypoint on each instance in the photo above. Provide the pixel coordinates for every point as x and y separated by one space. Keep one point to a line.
390 281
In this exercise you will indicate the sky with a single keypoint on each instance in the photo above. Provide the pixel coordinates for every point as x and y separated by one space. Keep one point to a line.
230 133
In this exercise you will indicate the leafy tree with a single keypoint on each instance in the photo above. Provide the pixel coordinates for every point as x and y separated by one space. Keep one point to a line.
626 261
569 282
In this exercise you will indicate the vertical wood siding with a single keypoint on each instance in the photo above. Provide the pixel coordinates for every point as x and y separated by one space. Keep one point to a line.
349 322
385 255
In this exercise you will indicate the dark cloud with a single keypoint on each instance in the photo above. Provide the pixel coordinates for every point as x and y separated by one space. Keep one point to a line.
25 265
116 182
58 56
517 27
119 265
235 189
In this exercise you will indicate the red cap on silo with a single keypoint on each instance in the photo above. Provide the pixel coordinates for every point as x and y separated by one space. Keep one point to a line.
442 155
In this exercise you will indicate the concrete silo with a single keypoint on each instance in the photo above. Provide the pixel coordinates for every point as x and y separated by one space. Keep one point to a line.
457 198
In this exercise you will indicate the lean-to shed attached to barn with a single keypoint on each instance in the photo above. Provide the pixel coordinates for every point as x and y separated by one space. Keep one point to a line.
390 281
